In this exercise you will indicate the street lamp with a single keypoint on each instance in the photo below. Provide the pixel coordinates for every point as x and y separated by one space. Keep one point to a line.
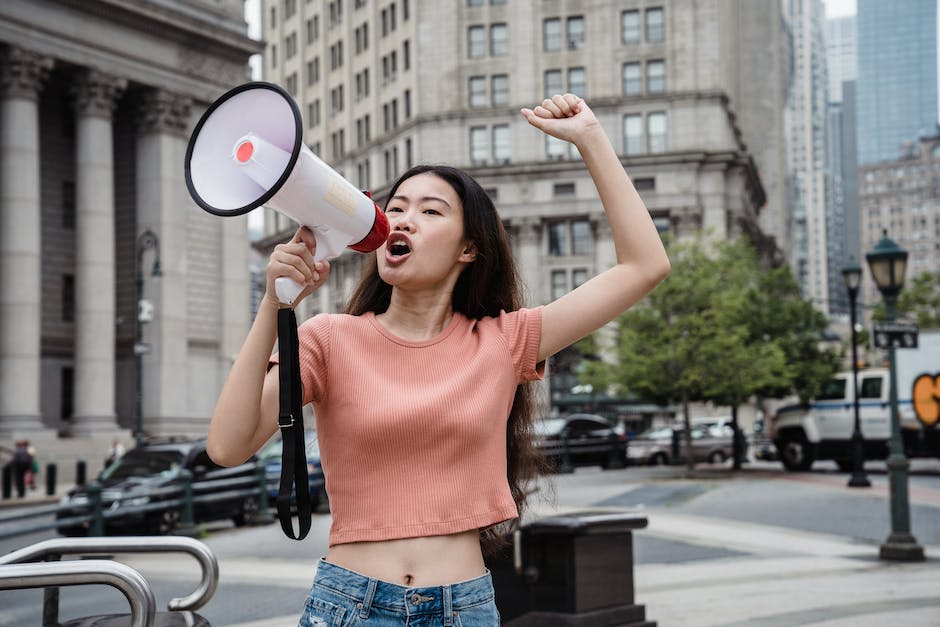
887 262
852 275
145 241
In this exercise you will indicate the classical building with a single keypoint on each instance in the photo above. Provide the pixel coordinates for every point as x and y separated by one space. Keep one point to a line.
902 197
691 94
97 100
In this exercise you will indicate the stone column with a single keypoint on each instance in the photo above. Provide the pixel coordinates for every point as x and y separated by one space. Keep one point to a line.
529 260
162 202
95 97
22 74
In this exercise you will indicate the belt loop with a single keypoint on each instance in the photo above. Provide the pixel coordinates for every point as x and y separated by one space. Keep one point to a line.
448 606
366 604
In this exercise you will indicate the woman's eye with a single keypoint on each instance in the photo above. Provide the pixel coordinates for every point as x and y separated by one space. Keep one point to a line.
391 209
432 211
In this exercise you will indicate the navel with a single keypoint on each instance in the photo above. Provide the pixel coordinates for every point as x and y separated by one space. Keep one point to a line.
408 579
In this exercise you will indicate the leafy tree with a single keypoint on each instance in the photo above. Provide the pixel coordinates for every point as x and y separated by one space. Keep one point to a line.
919 300
717 329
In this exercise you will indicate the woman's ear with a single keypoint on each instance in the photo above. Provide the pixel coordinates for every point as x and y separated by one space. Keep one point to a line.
469 254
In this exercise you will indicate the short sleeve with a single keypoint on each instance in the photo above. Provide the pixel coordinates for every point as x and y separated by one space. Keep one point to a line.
314 339
523 332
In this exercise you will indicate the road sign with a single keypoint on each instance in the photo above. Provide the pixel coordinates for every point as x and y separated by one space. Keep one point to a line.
895 335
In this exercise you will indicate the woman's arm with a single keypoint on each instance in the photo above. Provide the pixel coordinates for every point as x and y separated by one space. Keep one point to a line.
641 258
245 415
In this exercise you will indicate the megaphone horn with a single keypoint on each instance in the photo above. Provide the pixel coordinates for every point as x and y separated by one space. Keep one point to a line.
247 150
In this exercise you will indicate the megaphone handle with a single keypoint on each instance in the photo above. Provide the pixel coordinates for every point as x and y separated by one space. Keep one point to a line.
287 290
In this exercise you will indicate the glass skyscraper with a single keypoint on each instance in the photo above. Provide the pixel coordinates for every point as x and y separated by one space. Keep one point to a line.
897 76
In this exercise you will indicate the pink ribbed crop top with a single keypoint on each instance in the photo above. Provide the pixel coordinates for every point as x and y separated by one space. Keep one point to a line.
413 433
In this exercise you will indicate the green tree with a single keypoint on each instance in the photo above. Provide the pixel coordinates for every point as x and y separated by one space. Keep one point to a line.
919 300
717 329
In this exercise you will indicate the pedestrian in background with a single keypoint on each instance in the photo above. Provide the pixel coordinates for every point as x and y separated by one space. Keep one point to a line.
114 453
33 467
20 465
423 411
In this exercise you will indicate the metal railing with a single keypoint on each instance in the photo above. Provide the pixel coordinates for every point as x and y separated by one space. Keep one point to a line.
18 570
180 498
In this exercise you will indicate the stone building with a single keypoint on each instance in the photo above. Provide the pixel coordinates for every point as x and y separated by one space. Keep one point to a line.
691 93
98 99
902 197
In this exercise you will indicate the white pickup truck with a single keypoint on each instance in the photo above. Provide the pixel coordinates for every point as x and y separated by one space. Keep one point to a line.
823 428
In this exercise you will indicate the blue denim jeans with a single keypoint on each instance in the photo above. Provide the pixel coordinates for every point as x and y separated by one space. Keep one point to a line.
342 598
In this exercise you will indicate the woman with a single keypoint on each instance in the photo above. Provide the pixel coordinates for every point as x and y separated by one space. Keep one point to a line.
413 386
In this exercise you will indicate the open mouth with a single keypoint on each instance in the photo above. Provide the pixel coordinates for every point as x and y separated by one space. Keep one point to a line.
398 248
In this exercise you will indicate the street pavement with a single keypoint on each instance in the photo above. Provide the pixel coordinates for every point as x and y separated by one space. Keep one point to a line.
758 547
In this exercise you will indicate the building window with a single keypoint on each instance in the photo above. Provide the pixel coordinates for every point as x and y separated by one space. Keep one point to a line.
273 17
405 10
406 55
477 91
500 89
290 8
633 134
632 80
556 149
313 29
273 55
553 84
313 71
551 34
476 42
475 3
656 131
499 40
630 27
362 171
577 81
655 77
655 25
559 283
579 277
290 46
291 84
68 297
501 147
479 148
558 239
563 190
580 237
575 32
407 104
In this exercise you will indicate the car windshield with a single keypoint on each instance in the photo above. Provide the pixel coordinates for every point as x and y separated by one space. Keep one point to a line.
144 463
656 434
550 426
273 448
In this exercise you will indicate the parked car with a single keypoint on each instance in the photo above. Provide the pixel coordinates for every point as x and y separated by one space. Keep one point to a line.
580 440
666 445
147 474
270 456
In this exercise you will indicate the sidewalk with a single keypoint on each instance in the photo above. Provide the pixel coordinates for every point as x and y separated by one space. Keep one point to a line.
787 578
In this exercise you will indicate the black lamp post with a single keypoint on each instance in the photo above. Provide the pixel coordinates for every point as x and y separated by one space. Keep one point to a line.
145 241
888 262
853 278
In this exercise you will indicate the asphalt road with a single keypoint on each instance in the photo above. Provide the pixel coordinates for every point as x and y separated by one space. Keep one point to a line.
815 502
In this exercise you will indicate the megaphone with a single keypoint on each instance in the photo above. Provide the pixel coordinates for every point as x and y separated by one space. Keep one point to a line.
247 150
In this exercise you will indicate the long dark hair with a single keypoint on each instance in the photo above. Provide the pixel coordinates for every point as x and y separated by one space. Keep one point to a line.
485 287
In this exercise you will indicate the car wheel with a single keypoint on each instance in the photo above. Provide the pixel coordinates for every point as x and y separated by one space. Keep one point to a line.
716 457
167 522
659 459
249 510
796 455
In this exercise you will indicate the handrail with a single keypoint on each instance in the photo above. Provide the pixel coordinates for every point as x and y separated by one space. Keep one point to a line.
82 572
142 544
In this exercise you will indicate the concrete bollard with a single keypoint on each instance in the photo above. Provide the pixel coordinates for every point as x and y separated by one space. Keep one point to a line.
7 480
80 472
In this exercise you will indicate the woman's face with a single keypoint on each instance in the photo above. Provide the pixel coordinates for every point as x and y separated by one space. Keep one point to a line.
426 247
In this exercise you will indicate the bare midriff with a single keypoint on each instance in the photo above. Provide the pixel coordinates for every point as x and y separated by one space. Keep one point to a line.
414 562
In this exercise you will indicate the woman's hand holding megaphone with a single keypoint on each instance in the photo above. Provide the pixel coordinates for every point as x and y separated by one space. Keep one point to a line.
294 260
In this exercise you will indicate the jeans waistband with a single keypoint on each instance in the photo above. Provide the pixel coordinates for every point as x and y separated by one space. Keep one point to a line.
371 592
